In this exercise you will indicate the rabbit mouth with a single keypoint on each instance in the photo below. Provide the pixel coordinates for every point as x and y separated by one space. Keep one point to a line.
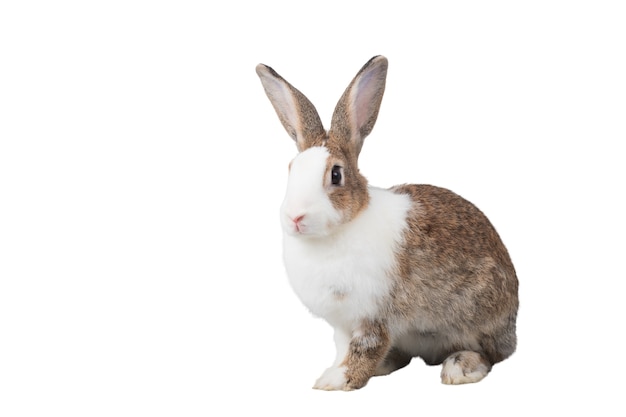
304 226
296 227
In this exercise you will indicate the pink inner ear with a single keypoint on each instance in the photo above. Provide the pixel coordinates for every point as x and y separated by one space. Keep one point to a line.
363 95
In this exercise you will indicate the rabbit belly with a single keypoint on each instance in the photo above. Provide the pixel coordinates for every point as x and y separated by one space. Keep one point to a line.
434 347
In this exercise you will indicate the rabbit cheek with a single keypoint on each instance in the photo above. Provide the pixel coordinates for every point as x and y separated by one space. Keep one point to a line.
306 209
346 203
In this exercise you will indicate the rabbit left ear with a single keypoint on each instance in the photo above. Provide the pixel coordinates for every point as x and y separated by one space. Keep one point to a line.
357 109
297 114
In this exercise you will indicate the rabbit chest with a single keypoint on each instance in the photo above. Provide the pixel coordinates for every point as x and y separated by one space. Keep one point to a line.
347 276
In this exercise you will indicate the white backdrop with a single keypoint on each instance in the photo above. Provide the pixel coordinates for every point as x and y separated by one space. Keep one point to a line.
142 167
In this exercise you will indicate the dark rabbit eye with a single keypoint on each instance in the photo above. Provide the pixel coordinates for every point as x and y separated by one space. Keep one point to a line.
335 175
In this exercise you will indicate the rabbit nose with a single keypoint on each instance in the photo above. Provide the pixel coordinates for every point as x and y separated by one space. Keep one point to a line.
296 222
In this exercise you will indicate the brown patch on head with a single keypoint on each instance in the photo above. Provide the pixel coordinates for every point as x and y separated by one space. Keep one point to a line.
310 141
351 197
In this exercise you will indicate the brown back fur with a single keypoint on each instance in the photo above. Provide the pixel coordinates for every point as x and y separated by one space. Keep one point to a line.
455 273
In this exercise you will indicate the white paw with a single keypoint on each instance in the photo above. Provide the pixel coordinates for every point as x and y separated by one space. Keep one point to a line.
334 378
454 372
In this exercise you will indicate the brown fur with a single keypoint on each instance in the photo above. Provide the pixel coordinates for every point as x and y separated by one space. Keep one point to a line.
454 271
352 197
394 360
368 348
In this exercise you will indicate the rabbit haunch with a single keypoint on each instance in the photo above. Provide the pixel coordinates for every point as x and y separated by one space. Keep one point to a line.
338 269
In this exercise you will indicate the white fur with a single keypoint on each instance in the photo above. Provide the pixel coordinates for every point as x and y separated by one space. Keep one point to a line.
334 378
342 344
341 273
307 197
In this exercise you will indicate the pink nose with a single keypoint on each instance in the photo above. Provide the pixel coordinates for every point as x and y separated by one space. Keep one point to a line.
296 222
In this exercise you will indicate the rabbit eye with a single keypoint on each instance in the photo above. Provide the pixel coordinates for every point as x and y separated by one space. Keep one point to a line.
335 175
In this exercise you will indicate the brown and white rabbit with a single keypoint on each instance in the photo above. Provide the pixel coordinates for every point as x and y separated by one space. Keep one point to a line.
411 271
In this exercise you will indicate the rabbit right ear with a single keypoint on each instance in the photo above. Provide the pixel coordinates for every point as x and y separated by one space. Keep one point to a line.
295 111
357 109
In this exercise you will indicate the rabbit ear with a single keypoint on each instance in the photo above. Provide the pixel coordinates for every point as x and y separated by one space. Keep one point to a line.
357 109
295 111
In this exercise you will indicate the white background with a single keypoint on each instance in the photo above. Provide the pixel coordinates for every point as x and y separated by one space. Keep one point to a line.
142 167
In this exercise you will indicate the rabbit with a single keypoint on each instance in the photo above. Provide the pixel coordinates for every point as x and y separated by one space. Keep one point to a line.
409 271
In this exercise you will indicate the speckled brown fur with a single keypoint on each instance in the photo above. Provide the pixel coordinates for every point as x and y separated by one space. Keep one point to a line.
454 269
353 197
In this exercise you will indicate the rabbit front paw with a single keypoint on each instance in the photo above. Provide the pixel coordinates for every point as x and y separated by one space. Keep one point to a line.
333 379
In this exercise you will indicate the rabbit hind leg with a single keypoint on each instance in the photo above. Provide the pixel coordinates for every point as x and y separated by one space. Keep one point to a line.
464 367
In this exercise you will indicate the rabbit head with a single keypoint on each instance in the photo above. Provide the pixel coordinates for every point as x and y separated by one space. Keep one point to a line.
325 189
